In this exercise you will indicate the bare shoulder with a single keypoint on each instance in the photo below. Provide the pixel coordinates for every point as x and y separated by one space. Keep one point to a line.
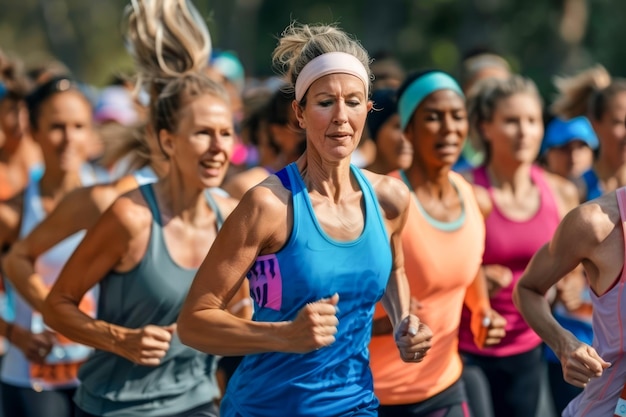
594 220
130 212
483 199
225 202
268 198
262 219
393 195
240 183
565 190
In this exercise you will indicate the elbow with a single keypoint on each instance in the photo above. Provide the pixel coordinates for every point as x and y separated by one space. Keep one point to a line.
7 263
48 312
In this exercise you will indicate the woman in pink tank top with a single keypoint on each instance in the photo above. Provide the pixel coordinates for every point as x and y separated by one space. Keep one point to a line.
506 119
592 234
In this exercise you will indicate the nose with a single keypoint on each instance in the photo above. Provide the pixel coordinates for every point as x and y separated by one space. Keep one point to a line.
221 143
340 115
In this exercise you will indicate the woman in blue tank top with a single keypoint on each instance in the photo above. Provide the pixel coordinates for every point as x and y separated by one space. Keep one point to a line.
145 249
319 243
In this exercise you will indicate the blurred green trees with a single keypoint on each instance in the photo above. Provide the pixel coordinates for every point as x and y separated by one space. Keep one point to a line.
540 38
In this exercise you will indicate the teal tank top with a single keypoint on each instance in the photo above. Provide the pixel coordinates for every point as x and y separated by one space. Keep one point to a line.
151 293
335 380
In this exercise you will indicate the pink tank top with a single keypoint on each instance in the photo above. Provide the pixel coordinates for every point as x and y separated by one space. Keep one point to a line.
600 396
512 243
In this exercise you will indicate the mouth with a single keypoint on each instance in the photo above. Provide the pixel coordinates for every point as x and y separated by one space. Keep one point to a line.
340 136
211 167
447 147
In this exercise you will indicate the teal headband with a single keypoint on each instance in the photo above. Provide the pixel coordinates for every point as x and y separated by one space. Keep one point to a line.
415 93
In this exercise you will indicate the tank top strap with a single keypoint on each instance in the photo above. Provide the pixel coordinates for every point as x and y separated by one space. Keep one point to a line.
620 195
480 177
548 199
295 179
213 204
371 201
148 194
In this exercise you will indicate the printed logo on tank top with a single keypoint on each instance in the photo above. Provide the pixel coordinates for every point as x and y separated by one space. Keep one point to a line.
266 283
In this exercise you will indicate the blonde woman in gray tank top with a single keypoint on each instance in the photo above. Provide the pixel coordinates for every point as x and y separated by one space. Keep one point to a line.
144 250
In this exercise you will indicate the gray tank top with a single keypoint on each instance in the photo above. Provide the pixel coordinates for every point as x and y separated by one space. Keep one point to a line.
151 293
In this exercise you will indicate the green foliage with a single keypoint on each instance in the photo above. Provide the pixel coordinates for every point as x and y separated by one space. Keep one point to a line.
87 34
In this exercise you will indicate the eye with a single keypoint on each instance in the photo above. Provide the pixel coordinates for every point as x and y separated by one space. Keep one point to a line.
326 103
353 103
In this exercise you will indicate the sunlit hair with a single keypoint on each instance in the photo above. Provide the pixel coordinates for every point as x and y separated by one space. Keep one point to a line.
170 44
125 142
15 82
166 38
484 98
299 44
583 94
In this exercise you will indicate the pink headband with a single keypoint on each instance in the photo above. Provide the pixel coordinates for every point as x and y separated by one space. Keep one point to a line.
330 63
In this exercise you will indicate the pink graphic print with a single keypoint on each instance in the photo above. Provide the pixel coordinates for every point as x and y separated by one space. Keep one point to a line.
266 283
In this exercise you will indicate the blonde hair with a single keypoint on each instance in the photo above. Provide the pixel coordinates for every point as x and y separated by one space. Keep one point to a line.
170 44
576 92
483 99
125 141
300 43
167 38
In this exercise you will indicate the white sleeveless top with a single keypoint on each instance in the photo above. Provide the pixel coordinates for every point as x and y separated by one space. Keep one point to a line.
64 357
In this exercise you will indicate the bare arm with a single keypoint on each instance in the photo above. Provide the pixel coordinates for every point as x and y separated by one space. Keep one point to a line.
105 247
412 337
572 243
256 226
78 210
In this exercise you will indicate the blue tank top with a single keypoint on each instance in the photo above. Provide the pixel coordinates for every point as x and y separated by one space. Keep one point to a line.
335 380
592 182
151 293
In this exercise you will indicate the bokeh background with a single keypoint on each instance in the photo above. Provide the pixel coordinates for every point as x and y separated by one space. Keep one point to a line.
540 38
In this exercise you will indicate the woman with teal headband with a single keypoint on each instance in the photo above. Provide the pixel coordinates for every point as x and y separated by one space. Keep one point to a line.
443 246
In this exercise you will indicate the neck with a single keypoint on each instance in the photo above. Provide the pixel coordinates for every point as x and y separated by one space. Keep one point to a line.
182 199
607 165
434 181
509 175
329 179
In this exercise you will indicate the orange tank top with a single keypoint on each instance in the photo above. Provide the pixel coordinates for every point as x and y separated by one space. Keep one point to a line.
441 261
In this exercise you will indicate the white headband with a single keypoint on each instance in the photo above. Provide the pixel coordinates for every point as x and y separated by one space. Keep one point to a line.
330 63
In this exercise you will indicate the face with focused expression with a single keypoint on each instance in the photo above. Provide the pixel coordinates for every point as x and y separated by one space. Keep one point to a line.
515 130
203 143
334 115
438 128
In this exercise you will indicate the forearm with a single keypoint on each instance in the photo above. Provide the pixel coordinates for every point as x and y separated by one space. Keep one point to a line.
536 311
20 271
397 297
218 332
65 317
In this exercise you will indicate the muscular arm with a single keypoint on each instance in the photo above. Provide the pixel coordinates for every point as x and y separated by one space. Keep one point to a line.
78 210
577 237
104 247
256 225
